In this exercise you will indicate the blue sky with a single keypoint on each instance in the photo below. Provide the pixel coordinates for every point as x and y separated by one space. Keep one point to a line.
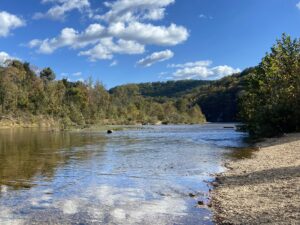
129 41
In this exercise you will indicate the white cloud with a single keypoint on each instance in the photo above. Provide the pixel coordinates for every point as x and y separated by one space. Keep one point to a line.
61 7
203 16
149 34
133 10
225 70
155 57
9 22
201 70
113 63
298 5
119 10
193 72
106 48
69 38
135 32
119 35
77 74
204 63
5 57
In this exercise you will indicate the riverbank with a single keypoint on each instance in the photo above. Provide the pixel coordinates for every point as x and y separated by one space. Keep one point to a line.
264 189
43 121
28 121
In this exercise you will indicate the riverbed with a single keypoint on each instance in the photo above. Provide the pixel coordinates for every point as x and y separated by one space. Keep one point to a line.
142 175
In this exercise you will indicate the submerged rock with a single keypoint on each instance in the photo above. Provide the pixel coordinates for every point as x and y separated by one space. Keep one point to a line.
215 184
192 195
200 203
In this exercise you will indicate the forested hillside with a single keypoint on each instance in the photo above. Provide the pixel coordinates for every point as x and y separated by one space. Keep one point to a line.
170 89
217 99
24 95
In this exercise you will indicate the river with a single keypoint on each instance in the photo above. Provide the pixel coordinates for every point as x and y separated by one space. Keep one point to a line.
133 176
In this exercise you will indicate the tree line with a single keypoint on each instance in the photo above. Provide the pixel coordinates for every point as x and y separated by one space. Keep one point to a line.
24 92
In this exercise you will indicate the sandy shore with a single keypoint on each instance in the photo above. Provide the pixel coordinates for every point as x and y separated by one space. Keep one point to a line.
264 189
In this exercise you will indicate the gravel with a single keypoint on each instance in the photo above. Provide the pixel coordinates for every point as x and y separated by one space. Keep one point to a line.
264 189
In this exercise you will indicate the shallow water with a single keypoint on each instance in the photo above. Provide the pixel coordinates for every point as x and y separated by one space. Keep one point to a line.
138 176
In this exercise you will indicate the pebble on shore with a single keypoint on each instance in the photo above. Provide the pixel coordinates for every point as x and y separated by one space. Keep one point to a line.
264 189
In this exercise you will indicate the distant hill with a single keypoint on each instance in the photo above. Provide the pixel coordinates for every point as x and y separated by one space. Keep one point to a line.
217 99
170 89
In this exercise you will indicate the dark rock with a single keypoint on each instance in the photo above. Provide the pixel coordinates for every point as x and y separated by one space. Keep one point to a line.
192 195
109 131
215 184
200 203
218 180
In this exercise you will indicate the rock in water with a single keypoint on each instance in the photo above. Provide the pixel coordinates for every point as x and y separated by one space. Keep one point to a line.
192 195
109 131
200 203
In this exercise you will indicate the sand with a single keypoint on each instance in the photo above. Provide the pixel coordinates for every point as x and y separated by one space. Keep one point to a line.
264 189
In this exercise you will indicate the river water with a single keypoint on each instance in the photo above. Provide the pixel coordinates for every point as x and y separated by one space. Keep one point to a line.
136 176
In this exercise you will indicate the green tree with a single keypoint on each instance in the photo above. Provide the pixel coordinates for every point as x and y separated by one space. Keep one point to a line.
47 74
270 105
